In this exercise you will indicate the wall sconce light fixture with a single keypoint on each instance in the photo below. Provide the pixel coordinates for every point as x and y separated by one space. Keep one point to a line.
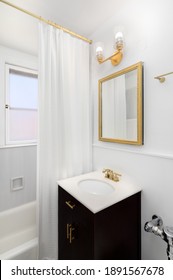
116 57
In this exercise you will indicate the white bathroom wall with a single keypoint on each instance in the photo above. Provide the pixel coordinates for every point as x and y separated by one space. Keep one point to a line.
15 162
147 27
19 31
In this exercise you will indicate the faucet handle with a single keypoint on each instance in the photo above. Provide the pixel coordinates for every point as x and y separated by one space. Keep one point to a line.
119 175
106 170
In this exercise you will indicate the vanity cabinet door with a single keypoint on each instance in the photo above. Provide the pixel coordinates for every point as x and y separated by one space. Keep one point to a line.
75 224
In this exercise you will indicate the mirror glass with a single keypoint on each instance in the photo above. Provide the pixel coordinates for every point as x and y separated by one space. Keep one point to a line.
121 106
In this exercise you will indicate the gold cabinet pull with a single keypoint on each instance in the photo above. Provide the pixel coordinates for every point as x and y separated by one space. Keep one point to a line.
70 230
69 204
71 234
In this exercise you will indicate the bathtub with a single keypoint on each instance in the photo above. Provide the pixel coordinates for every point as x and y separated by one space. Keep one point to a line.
18 239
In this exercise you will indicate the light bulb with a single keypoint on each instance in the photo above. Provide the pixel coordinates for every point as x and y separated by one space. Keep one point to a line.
119 41
99 50
119 36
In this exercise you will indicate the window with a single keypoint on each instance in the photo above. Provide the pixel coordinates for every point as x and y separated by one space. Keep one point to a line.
21 105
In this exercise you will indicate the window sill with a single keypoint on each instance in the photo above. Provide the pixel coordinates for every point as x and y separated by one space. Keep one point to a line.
18 146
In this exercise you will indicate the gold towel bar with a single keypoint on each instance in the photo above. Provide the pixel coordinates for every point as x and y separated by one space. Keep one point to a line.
161 78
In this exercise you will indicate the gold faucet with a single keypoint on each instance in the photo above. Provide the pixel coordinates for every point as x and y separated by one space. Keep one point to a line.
110 174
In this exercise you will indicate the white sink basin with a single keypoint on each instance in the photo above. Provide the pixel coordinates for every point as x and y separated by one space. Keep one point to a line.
94 186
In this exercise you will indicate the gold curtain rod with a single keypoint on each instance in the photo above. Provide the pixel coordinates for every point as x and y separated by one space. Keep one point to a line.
47 21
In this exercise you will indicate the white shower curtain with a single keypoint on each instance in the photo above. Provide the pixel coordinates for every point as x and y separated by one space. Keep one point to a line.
64 145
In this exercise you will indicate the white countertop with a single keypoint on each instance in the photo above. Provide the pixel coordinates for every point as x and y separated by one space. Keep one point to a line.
95 203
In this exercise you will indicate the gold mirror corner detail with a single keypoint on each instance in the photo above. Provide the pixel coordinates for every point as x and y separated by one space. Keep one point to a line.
120 106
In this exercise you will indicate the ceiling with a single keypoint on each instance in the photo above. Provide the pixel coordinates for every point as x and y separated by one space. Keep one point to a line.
80 16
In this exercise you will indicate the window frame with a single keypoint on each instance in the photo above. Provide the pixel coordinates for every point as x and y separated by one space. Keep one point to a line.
24 69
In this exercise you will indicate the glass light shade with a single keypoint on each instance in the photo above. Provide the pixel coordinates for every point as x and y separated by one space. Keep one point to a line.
99 47
99 50
118 36
118 41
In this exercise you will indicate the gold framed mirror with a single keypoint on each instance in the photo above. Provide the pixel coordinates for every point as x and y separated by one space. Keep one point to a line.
121 106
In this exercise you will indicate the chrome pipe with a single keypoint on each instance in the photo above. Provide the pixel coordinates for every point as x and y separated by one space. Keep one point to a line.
166 233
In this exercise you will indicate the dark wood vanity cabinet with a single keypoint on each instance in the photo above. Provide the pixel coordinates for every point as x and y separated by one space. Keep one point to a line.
111 234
